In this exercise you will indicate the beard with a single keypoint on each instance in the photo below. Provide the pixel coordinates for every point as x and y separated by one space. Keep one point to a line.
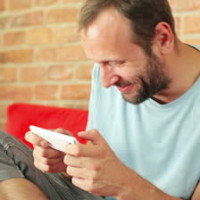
152 81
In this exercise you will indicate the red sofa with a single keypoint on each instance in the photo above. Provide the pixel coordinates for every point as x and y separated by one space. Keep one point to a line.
21 115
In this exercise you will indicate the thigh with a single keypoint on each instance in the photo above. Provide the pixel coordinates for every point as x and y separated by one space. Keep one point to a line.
16 161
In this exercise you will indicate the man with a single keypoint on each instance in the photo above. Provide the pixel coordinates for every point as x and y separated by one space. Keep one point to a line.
143 131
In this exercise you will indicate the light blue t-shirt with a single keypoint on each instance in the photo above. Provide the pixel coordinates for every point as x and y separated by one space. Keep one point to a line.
160 142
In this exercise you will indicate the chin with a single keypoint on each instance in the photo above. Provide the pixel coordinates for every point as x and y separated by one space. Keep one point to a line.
134 99
130 99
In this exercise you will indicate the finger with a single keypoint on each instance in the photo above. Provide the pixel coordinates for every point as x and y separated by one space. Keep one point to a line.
85 184
63 131
35 140
75 161
93 136
76 172
79 182
57 167
48 161
47 152
52 164
88 150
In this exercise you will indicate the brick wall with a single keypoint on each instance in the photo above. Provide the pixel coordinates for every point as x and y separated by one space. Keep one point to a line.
41 59
187 16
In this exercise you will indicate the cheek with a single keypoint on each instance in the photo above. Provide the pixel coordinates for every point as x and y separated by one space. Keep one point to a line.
133 71
132 76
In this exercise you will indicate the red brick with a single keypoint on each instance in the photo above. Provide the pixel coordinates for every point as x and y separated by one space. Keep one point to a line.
62 15
65 34
46 92
34 18
68 53
16 56
191 24
14 38
76 92
84 71
45 2
8 74
32 74
2 6
39 36
19 4
15 93
60 72
178 5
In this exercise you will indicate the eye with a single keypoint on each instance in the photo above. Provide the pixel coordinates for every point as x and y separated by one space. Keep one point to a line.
116 63
103 63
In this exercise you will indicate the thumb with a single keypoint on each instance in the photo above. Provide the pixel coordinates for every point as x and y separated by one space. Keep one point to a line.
92 135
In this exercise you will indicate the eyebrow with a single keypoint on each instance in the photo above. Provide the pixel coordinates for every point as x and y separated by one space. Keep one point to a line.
111 61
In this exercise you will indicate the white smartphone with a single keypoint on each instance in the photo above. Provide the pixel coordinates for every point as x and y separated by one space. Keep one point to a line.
56 140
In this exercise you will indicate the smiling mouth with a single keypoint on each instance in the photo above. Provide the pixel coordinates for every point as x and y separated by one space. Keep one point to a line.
125 88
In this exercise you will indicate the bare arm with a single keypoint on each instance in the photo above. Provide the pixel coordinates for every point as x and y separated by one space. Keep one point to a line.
20 189
142 189
196 195
95 168
137 188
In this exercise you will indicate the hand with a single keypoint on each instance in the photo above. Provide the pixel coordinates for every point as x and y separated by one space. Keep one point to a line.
46 158
94 167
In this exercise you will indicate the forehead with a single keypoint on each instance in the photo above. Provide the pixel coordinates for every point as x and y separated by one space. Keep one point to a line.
107 19
110 33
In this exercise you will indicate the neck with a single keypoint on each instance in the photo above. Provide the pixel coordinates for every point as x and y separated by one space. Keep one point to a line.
183 69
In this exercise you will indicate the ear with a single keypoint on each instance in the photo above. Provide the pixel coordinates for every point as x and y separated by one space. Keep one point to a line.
164 39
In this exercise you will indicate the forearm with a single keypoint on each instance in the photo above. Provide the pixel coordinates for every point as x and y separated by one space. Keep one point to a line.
137 188
95 168
20 189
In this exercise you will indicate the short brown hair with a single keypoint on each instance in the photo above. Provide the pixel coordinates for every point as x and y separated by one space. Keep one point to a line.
143 15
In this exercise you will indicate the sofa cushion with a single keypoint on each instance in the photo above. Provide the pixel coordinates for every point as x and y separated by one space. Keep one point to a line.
21 115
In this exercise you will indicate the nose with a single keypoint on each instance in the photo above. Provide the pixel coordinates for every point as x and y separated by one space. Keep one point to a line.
108 75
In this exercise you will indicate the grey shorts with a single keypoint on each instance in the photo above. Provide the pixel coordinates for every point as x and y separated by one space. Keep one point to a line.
16 161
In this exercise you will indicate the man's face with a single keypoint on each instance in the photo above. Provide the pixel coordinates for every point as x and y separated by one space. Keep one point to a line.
124 64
